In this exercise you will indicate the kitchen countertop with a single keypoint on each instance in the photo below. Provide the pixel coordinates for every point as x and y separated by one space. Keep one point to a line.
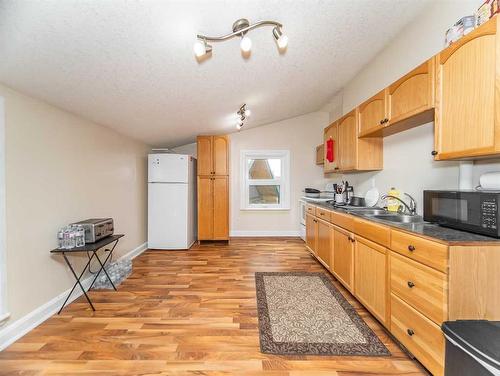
426 229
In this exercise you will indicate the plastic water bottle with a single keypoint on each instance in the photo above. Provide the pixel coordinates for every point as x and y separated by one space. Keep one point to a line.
80 236
60 238
66 242
72 238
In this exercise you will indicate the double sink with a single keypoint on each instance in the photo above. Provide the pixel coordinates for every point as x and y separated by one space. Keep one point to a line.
384 215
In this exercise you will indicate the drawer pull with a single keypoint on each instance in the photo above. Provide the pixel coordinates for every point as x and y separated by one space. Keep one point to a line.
411 248
410 332
411 284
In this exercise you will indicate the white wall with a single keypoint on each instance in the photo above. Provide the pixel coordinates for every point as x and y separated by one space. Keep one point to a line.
189 149
334 107
300 135
3 267
61 169
408 164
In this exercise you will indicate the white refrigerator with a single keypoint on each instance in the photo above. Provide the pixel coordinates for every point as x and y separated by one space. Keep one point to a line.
171 201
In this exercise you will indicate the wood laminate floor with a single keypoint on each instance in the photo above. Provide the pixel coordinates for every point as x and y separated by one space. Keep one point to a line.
187 313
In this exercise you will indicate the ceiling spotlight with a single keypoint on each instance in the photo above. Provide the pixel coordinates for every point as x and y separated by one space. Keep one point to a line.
246 44
281 38
242 113
240 28
201 47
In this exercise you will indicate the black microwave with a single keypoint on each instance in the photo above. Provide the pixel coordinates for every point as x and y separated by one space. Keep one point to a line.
473 211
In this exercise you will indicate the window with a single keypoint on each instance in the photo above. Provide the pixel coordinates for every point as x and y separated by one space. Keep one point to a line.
265 180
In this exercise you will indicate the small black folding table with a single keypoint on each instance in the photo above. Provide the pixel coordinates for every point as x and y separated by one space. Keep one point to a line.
89 248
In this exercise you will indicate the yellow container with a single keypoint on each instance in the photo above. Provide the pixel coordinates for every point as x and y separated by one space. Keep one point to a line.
392 204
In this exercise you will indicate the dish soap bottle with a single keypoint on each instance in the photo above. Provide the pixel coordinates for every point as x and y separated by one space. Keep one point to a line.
392 204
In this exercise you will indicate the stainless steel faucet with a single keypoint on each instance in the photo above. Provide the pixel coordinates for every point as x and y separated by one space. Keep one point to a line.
411 209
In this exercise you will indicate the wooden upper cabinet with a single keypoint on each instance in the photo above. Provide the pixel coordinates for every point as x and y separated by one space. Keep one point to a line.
204 155
348 137
331 132
221 155
412 94
351 152
213 155
467 117
372 114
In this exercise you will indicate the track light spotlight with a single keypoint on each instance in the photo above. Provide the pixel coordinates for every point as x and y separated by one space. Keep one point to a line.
201 47
246 44
281 38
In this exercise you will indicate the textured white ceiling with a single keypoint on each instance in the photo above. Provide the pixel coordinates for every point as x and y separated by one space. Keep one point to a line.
129 64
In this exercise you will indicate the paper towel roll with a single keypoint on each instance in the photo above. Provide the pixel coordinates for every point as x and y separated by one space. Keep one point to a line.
490 180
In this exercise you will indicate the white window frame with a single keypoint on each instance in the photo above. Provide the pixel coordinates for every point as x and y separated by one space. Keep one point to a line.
283 182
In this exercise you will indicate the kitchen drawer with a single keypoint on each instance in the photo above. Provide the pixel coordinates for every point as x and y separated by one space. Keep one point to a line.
427 252
311 209
323 214
373 231
345 221
420 286
418 334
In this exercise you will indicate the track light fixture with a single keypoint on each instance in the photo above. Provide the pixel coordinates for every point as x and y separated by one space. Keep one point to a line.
240 28
243 113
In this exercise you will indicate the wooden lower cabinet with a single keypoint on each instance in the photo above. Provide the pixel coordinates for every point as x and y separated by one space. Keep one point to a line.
221 207
324 242
422 337
311 232
424 288
343 257
371 285
409 283
213 208
205 208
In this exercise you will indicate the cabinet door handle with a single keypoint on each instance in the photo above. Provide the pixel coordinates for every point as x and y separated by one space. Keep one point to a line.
434 152
411 248
410 332
381 122
386 120
411 284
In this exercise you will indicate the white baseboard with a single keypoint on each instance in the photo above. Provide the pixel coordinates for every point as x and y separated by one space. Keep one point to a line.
135 252
12 332
240 234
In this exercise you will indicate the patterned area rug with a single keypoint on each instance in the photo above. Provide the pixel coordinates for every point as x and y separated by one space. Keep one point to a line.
304 314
